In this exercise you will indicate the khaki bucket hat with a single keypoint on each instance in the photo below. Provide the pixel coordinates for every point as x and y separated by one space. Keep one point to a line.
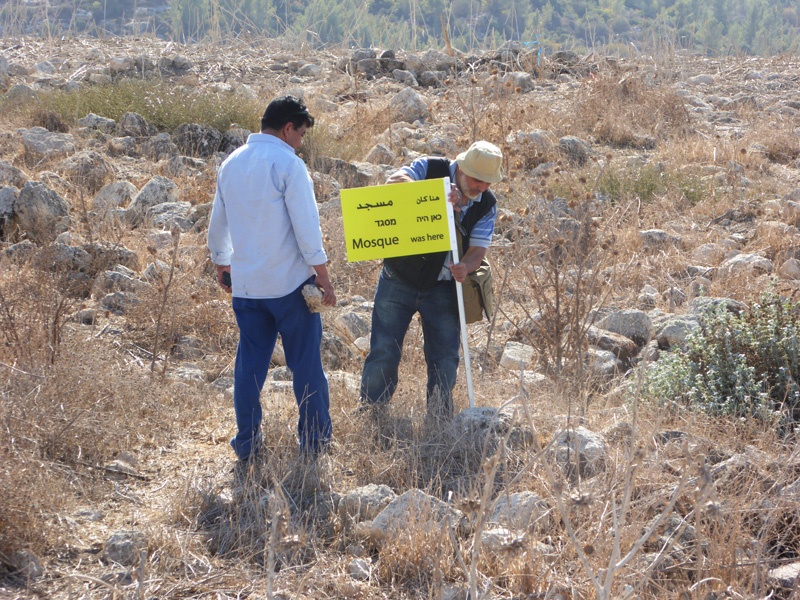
483 161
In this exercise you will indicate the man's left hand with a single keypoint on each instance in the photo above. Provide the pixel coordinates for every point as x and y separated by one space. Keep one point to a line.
323 282
459 271
220 270
469 262
455 198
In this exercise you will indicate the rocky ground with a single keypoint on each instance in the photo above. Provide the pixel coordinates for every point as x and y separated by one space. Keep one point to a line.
512 498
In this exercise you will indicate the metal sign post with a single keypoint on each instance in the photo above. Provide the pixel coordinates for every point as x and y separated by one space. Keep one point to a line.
451 223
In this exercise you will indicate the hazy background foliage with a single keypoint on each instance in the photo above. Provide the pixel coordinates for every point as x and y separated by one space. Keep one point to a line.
760 27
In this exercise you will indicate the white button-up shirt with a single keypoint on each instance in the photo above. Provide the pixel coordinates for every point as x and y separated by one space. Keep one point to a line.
264 222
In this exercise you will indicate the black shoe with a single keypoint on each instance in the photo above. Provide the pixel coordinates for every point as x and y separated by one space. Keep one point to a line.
381 423
247 470
440 407
374 410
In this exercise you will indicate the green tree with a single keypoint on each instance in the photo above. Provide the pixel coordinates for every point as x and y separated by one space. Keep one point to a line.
711 35
256 16
190 18
720 12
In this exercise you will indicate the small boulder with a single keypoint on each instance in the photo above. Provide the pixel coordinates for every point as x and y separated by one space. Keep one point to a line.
575 149
633 324
93 121
114 195
124 548
745 265
41 212
156 191
134 125
409 105
87 169
516 356
414 508
41 144
11 175
582 449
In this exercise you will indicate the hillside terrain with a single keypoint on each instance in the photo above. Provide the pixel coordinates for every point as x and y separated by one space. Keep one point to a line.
634 429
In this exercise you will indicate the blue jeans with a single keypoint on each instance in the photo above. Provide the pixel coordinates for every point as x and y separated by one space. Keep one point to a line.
395 305
260 321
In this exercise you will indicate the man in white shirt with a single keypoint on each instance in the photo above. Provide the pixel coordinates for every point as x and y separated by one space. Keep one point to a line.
265 239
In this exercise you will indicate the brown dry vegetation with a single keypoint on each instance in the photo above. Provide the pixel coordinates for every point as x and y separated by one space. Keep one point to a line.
76 397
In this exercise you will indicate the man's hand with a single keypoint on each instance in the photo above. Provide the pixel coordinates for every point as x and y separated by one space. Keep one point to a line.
220 270
469 263
323 282
455 198
399 177
459 271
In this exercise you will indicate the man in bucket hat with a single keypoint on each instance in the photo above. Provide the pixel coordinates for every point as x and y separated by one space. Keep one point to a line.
424 283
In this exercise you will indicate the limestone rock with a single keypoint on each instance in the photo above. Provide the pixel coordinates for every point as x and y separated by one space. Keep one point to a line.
156 191
582 449
745 264
353 325
124 547
516 356
11 175
414 508
134 125
20 93
575 149
633 324
106 255
790 269
93 121
159 147
194 139
87 169
409 105
658 240
380 154
170 214
522 511
672 333
8 198
623 347
603 364
701 305
359 568
365 503
123 146
40 144
114 195
785 577
40 212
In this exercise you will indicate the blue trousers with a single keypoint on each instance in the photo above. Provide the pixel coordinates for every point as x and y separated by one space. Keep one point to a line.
260 321
395 305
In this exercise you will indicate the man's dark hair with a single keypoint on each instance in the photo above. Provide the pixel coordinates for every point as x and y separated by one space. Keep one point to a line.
286 109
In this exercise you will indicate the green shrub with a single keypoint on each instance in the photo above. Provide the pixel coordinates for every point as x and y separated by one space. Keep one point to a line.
162 104
692 190
648 183
642 183
742 365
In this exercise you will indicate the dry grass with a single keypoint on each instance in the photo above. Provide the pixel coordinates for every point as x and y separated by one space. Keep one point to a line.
628 111
162 104
75 397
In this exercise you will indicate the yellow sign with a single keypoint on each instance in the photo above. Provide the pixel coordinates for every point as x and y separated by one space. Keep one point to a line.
398 219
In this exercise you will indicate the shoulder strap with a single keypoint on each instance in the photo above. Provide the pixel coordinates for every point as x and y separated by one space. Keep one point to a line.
437 168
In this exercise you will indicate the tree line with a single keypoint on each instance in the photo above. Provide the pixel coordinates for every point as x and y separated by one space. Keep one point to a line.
760 27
